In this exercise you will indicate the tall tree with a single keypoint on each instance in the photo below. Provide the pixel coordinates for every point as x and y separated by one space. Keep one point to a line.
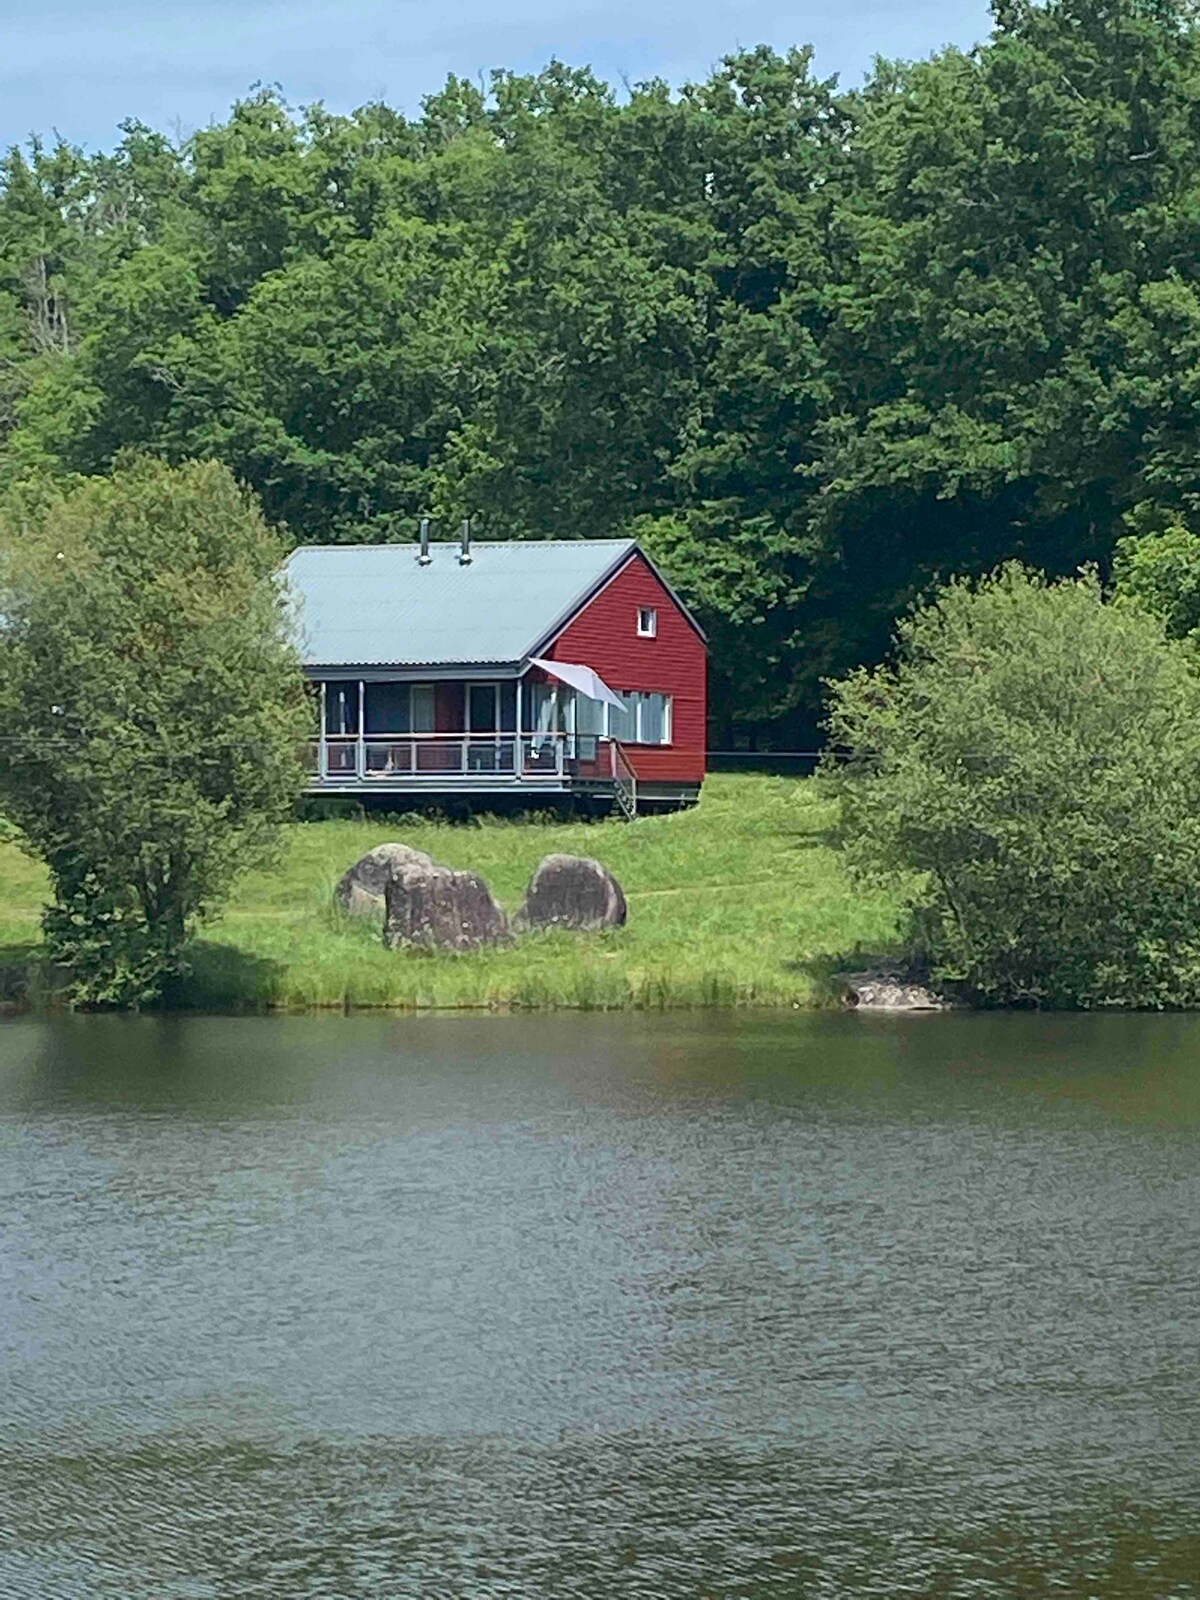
151 709
1020 238
818 348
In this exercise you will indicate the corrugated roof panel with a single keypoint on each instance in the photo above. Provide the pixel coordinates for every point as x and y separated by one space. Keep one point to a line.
375 605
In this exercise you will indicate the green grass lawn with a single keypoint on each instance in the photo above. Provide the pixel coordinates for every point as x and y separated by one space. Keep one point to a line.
740 901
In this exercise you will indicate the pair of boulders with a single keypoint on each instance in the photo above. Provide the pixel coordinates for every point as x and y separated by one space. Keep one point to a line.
431 907
361 890
424 904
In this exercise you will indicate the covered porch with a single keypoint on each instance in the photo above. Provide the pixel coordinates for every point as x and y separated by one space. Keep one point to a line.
400 735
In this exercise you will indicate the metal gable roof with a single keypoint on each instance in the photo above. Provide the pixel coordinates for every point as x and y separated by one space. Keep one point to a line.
375 605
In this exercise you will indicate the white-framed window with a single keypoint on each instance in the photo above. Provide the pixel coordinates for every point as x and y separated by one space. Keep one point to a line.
423 708
647 622
623 724
654 717
389 709
587 716
645 720
642 718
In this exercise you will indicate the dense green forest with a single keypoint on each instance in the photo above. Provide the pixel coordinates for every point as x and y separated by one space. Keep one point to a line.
817 347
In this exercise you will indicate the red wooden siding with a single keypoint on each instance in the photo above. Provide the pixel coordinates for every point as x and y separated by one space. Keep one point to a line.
604 636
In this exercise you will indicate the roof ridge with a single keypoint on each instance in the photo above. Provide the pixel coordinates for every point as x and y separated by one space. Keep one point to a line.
452 544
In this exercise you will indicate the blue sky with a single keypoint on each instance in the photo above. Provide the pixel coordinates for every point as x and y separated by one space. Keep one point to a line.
81 66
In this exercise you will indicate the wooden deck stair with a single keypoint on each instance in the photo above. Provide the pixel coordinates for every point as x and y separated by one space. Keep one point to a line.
624 782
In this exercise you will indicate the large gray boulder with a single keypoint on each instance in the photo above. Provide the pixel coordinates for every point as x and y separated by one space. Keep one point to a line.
572 892
360 891
436 908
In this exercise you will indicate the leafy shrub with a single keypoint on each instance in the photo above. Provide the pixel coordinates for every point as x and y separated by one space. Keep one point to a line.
1157 566
1029 768
151 709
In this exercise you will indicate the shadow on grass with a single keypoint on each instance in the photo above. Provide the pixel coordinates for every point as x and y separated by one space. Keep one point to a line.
223 978
20 976
810 838
829 973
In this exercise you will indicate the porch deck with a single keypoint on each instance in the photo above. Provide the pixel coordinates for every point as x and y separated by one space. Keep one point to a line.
472 764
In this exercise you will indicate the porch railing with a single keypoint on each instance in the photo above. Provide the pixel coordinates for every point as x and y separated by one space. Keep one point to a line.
438 757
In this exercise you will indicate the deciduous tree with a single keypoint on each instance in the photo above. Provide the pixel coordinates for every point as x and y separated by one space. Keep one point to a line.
1028 770
151 710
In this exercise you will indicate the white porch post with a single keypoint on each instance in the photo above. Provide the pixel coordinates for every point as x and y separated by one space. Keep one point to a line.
519 756
362 746
322 740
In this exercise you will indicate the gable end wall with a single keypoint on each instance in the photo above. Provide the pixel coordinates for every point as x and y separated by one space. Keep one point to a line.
604 636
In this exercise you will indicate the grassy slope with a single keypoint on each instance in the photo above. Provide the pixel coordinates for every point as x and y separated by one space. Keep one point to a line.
727 904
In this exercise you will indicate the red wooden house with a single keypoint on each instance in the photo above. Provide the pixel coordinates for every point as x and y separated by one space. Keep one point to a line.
493 669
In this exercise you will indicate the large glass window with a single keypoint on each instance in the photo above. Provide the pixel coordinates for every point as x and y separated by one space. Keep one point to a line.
642 718
424 710
623 724
588 716
385 708
645 720
652 719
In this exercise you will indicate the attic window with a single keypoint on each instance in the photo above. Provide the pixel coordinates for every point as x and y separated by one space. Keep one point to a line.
647 622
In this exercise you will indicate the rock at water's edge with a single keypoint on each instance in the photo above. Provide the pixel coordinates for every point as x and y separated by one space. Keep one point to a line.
867 991
360 891
436 908
572 892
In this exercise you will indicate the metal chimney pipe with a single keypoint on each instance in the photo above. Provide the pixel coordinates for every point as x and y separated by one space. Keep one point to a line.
464 554
423 556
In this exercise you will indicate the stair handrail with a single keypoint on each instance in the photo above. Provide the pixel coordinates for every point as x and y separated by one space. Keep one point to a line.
624 777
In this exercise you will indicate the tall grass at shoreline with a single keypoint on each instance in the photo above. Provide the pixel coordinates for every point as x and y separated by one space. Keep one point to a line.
735 903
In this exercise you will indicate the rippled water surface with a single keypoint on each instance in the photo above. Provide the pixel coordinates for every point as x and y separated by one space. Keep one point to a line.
719 1306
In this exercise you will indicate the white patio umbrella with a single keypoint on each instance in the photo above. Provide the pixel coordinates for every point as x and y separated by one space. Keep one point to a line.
583 680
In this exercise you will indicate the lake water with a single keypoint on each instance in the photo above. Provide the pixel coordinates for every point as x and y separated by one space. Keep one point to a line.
700 1306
